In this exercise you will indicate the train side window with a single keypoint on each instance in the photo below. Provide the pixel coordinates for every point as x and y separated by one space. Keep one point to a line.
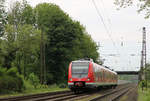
113 76
100 74
104 74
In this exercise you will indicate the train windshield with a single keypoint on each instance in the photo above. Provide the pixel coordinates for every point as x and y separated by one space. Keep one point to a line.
80 69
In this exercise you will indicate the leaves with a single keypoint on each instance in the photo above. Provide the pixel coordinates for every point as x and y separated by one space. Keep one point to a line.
65 40
142 5
3 17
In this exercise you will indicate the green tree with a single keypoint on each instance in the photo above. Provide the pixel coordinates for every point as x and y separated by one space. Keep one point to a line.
20 47
64 40
143 5
3 17
59 29
10 81
64 36
89 47
20 13
8 46
28 43
27 37
34 80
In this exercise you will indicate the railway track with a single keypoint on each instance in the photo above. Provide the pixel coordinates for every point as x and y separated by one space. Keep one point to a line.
65 95
56 96
34 96
113 95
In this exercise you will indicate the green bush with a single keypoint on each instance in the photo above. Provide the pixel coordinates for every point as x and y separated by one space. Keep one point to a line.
10 81
12 72
143 83
2 71
34 79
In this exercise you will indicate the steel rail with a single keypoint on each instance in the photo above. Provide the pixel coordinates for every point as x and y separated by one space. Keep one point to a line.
107 94
31 96
120 95
55 96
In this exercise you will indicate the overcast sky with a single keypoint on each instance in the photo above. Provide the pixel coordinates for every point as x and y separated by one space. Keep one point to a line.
125 29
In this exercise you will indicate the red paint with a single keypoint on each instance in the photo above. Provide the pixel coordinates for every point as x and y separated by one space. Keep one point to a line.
103 75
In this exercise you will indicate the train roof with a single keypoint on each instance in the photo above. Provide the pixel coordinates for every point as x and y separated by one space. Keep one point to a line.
107 68
84 60
91 60
110 70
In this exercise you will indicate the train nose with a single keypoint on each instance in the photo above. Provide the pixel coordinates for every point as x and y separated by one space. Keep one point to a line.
79 84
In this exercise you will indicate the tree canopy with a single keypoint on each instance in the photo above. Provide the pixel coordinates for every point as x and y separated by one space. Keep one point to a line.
66 39
28 30
142 5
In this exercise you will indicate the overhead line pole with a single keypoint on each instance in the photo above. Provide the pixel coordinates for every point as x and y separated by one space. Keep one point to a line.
143 75
144 37
41 58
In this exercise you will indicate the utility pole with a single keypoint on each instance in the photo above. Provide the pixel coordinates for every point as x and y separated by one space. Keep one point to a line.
42 55
44 65
143 58
41 58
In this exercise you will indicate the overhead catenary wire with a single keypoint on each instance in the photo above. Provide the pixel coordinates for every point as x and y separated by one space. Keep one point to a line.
107 16
102 20
106 12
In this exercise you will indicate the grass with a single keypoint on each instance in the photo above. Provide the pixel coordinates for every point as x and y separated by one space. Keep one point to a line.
32 90
144 95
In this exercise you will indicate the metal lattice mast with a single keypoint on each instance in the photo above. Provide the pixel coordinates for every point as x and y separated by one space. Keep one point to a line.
144 47
143 55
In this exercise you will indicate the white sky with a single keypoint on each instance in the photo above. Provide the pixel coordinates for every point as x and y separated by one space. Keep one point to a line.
124 26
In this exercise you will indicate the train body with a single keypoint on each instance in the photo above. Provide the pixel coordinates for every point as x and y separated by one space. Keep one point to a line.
84 74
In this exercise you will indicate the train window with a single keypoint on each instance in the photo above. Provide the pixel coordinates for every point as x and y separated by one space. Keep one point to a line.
104 74
101 73
80 69
111 76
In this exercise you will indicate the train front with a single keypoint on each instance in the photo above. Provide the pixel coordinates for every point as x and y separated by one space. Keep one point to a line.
80 75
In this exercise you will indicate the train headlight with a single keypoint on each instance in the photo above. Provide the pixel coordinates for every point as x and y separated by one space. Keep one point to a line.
88 79
70 79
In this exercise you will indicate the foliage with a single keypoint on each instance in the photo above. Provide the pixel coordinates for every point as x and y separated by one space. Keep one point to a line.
142 83
21 44
143 5
20 13
3 17
28 43
67 40
10 80
147 71
144 95
34 79
8 46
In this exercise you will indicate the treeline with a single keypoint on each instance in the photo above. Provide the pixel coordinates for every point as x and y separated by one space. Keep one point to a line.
27 32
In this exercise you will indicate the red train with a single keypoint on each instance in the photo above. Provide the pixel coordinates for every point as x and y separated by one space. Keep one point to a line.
87 74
